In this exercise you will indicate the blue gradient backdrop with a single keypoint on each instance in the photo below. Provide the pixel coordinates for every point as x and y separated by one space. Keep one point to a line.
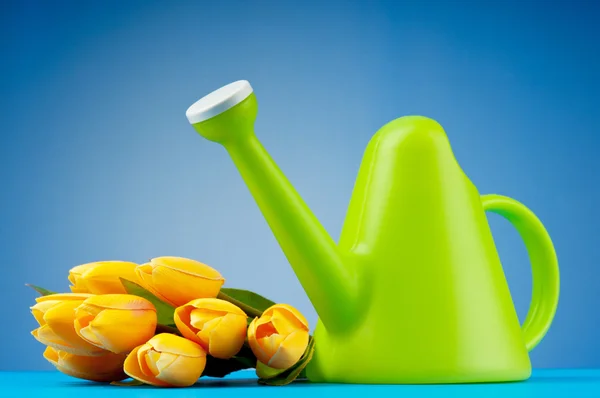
97 160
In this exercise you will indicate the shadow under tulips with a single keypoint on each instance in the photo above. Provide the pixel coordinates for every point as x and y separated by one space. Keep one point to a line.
246 382
204 383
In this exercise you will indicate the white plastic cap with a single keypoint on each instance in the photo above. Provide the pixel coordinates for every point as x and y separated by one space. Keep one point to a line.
218 101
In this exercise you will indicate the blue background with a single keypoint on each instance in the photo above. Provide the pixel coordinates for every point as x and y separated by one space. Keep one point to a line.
97 159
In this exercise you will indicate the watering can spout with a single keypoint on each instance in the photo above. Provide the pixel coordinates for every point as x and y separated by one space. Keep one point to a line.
227 116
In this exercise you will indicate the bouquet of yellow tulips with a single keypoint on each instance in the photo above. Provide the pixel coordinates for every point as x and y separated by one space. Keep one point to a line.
167 323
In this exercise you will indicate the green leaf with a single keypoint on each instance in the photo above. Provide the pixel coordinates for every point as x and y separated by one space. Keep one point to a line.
164 311
266 372
255 300
251 303
302 374
291 374
40 290
127 383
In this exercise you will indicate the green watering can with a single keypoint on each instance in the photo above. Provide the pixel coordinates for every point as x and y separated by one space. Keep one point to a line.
414 291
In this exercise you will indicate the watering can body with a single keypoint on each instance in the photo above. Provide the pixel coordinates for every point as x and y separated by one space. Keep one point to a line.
414 292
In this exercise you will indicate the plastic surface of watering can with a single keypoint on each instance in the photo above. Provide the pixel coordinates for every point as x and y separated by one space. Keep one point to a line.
414 292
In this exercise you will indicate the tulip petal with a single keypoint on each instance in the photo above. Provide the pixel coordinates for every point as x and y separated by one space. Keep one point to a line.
290 313
82 321
265 328
60 318
271 343
173 344
177 280
119 331
210 325
142 359
133 370
97 377
227 338
75 275
188 266
117 302
144 274
204 333
258 351
80 269
180 370
78 289
102 368
180 288
46 336
263 320
290 350
63 297
87 334
216 305
284 323
151 358
51 355
162 360
182 320
200 316
77 284
40 309
103 278
85 313
73 279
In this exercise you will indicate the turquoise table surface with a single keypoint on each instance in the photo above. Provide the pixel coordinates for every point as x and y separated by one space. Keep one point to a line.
543 383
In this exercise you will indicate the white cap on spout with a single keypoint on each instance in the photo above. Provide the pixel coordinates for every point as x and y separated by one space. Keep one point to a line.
218 101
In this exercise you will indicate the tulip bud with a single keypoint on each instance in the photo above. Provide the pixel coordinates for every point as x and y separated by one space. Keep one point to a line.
55 314
104 368
177 280
102 277
279 337
217 325
115 322
166 360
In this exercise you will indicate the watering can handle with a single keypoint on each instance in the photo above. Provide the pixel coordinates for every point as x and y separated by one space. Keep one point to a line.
546 280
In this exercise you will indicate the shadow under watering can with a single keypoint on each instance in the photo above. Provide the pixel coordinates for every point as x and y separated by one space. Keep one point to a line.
414 292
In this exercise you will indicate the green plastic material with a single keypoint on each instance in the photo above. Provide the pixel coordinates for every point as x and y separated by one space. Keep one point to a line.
414 292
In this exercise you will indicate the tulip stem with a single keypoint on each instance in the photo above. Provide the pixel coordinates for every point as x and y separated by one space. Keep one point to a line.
250 311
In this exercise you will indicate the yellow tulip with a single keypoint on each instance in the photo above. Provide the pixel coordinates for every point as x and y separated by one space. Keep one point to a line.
115 322
217 325
279 337
105 368
166 360
55 314
178 280
102 277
